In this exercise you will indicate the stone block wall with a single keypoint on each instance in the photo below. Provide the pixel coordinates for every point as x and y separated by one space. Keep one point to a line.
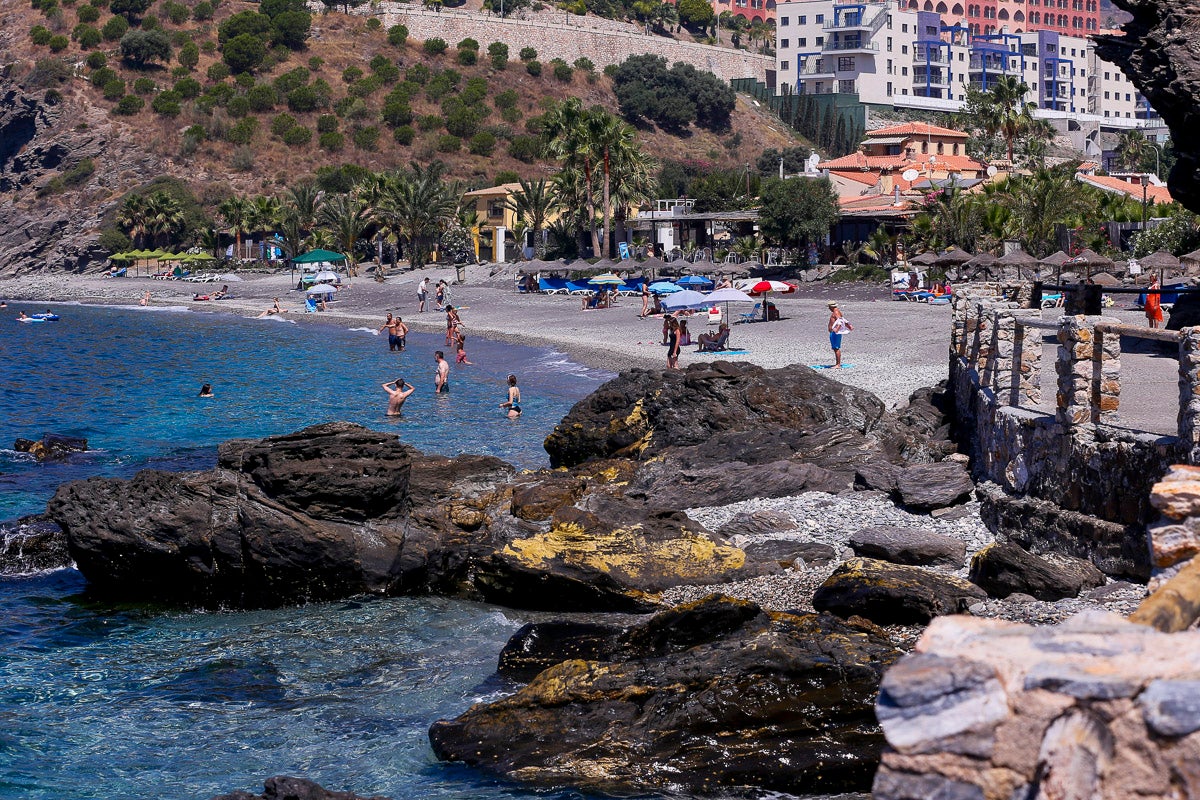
567 40
1097 708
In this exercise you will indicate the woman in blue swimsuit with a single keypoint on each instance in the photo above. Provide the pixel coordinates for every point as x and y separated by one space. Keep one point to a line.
514 398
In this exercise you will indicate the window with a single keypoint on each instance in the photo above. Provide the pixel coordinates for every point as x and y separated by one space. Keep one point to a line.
803 20
904 71
802 42
889 44
956 148
889 67
961 57
941 148
1106 95
783 43
1127 97
496 209
820 18
845 63
904 49
889 89
820 40
904 91
924 147
1106 113
889 27
846 87
904 28
783 21
817 89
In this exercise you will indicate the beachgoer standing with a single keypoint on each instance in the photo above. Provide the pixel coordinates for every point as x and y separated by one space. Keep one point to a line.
645 299
422 293
146 298
1154 314
441 381
401 333
460 345
389 325
514 398
672 343
685 336
452 322
397 391
439 296
838 326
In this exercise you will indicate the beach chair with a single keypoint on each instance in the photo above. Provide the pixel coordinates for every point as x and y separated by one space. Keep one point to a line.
120 273
752 314
714 315
310 305
631 288
720 344
552 285
579 287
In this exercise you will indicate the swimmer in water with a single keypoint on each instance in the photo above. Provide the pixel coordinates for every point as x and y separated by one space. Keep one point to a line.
441 382
514 398
398 391
206 390
146 298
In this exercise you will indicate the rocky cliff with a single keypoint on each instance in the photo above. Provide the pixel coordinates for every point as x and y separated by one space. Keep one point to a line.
1158 53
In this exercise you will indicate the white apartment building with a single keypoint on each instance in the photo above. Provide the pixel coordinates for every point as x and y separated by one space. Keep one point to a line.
892 56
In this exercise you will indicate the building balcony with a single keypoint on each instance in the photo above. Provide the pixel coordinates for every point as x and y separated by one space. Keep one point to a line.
816 68
850 46
934 57
935 77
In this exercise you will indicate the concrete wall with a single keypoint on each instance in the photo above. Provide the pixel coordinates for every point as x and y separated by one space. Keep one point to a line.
568 40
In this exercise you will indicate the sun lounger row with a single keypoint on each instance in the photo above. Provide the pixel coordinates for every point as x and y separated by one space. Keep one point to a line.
564 286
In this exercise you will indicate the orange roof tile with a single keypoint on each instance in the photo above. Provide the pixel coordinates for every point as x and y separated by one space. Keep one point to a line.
858 176
1158 194
861 162
917 129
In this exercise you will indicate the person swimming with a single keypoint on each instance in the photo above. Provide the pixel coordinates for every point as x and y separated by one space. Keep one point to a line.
514 398
206 390
398 391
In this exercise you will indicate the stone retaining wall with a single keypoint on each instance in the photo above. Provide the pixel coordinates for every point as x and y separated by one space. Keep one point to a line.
1066 481
566 40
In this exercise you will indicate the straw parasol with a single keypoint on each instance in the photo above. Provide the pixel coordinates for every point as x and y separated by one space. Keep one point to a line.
1160 259
1019 260
924 260
1192 257
1090 258
1056 259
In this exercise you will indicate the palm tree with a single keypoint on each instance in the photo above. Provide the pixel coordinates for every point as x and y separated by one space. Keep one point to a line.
1013 114
163 217
417 206
236 213
262 216
1133 148
634 185
1043 200
306 200
468 219
614 142
132 217
568 129
747 248
345 217
533 203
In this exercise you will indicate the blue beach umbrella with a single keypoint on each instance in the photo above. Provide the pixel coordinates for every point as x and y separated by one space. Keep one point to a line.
693 280
664 287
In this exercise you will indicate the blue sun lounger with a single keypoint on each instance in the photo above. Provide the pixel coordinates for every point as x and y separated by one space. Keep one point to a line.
553 285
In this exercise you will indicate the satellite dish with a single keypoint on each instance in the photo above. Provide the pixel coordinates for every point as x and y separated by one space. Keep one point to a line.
813 160
910 175
991 171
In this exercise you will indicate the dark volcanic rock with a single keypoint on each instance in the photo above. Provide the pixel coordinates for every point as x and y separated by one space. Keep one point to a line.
32 544
735 413
763 522
787 552
285 788
1158 55
928 486
781 702
908 546
51 447
1004 568
538 646
893 594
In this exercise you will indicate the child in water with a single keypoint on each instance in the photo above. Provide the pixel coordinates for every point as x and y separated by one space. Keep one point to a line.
460 344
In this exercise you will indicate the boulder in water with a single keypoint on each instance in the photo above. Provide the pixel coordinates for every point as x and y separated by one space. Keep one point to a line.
284 788
32 544
51 447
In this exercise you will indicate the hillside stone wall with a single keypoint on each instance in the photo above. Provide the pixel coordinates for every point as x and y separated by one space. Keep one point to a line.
604 45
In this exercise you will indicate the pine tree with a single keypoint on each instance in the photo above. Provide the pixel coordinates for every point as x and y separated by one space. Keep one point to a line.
841 140
830 133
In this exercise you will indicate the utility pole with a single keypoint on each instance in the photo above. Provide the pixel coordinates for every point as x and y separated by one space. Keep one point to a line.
1145 206
781 168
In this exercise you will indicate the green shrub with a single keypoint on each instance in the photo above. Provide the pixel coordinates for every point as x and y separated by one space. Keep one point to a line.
418 74
196 132
238 107
244 52
151 23
396 113
102 76
511 115
351 74
505 176
167 104
468 44
525 148
114 29
218 71
178 13
448 143
140 48
482 144
282 123
96 60
397 35
385 70
435 46
367 138
187 88
88 14
356 109
220 93
327 123
179 73
462 120
58 43
297 136
79 174
442 84
315 63
40 35
467 57
203 11
366 87
144 86
534 68
506 99
188 56
129 9
430 122
243 131
303 99
114 89
373 24
113 241
404 135
87 36
251 22
331 141
527 54
262 97
563 71
129 105
291 80
498 53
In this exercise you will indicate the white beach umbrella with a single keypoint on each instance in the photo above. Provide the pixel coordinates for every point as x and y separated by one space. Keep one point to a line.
685 299
326 276
323 288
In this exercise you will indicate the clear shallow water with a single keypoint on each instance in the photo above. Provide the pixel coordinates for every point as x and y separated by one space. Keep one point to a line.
102 701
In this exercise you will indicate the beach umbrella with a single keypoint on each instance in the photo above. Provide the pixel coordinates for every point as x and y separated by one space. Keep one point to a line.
1159 259
159 254
693 280
323 288
1055 259
729 295
703 267
607 279
606 265
981 262
318 257
685 298
952 258
120 257
1192 257
664 287
763 287
1089 260
325 276
924 260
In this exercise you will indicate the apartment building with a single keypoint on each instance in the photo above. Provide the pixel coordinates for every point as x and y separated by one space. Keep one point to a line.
1073 17
891 55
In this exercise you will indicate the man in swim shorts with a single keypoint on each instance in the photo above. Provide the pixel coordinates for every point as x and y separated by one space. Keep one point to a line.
422 293
441 382
394 342
398 391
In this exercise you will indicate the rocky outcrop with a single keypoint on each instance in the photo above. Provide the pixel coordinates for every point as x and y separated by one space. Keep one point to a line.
892 594
51 446
1004 568
1157 54
1096 707
928 486
337 510
702 699
32 544
908 546
285 788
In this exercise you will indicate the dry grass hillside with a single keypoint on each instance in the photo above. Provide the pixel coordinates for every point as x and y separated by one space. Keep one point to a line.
219 145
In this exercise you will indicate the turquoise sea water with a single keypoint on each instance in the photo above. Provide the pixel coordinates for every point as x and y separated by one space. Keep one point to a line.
105 701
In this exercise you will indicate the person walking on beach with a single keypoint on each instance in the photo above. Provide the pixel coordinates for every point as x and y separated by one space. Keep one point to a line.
672 343
514 398
645 299
422 293
398 391
1154 314
838 326
441 381
439 295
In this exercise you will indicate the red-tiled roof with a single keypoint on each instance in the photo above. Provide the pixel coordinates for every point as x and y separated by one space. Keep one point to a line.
858 176
917 129
1157 194
861 162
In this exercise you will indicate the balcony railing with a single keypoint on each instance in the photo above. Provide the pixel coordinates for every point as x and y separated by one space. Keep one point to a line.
816 66
851 44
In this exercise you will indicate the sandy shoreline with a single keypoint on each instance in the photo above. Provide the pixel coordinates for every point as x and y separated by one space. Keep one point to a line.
895 349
